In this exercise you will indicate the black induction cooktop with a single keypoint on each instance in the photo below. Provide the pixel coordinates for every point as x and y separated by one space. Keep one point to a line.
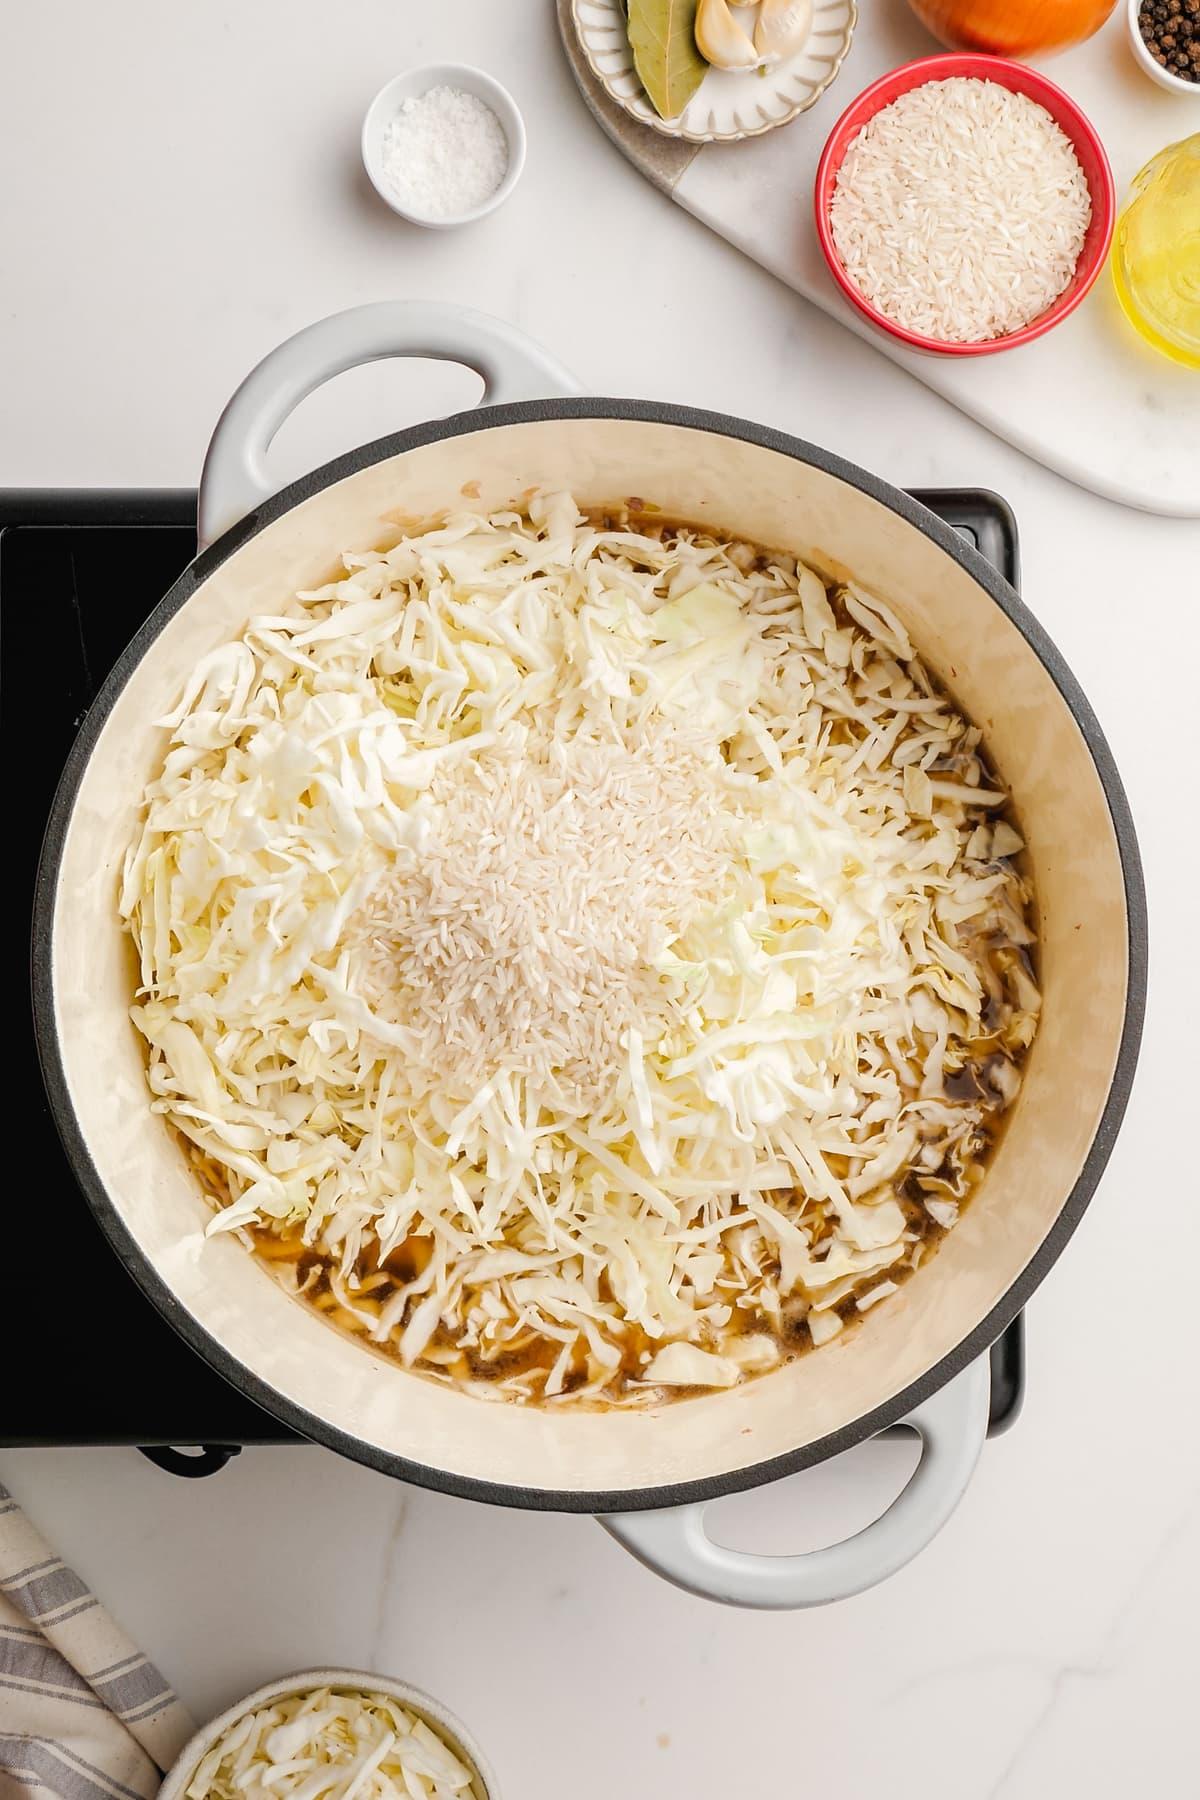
86 1358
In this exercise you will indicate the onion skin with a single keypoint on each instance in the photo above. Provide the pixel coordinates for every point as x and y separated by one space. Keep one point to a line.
1015 28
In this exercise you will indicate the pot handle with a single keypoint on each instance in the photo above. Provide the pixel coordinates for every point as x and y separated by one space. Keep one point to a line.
952 1425
235 477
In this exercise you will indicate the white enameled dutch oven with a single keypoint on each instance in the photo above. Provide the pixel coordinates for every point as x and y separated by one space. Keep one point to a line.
922 1358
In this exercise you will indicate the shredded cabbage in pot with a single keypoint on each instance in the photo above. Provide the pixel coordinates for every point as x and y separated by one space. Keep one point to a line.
638 1089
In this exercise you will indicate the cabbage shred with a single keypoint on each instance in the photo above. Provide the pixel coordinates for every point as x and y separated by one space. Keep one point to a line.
331 1744
586 959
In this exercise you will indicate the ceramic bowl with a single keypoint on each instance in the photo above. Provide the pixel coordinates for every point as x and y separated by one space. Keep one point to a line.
1175 84
1020 80
408 86
435 1715
729 104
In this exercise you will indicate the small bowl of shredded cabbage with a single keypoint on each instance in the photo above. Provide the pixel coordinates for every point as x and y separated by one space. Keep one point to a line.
340 1734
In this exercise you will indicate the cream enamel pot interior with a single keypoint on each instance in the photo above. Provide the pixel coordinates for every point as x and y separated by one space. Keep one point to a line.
922 1357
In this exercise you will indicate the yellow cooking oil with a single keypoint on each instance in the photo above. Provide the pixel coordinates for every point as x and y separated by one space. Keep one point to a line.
1156 252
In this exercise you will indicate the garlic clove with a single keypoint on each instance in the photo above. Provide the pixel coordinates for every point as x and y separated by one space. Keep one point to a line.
782 29
721 40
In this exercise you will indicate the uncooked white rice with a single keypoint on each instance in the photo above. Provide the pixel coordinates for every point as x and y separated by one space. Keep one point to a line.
960 210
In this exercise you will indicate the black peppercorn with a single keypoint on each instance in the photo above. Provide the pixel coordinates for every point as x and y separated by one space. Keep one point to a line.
1170 30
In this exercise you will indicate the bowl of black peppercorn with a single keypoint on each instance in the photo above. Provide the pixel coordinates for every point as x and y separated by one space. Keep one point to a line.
1165 35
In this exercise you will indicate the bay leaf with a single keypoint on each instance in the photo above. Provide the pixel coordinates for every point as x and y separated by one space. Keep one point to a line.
662 36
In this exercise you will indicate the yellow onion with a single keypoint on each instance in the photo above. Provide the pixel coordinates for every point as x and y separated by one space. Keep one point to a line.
1012 27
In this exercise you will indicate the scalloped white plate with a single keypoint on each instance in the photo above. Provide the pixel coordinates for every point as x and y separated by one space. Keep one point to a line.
729 104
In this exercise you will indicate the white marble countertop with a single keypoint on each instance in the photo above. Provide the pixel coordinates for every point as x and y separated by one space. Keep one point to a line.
181 191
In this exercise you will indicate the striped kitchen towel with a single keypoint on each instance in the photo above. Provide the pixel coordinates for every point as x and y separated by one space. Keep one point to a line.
83 1714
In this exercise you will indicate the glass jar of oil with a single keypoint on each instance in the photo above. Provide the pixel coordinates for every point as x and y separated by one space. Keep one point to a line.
1156 252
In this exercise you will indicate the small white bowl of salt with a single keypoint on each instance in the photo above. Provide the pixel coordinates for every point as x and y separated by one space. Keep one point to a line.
443 145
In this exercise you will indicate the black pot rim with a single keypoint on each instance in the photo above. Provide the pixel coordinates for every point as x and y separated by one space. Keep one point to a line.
319 1430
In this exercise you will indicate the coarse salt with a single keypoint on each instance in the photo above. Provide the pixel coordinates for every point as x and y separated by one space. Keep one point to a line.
444 153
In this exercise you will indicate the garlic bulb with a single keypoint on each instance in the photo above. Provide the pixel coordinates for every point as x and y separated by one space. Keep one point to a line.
782 28
721 40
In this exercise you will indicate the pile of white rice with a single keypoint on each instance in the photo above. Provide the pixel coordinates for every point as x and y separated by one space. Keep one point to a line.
960 211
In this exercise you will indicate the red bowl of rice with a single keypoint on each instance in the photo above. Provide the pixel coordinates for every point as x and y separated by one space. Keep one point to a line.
1017 79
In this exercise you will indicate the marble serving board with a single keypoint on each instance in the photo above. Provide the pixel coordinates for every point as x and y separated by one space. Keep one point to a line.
1090 399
